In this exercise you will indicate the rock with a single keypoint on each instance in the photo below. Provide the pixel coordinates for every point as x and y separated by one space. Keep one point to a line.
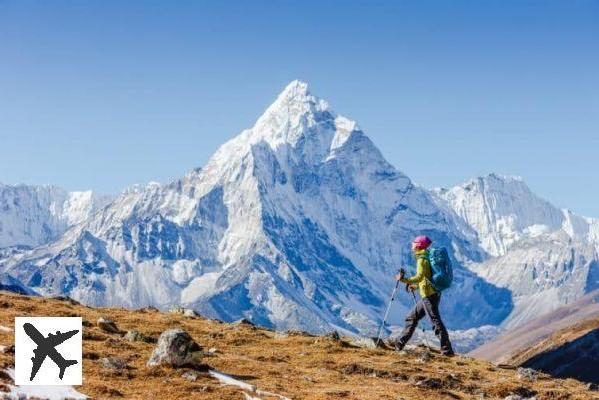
190 376
243 321
67 299
107 325
211 351
334 335
176 348
527 374
135 336
593 387
188 312
429 383
424 357
148 309
518 397
7 349
295 332
113 363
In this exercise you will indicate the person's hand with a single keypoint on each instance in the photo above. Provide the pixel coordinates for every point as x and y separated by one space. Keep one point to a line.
401 274
410 287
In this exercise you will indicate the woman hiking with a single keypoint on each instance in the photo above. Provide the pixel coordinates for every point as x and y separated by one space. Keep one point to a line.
429 298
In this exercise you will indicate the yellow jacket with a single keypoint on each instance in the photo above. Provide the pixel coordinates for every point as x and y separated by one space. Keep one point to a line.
423 274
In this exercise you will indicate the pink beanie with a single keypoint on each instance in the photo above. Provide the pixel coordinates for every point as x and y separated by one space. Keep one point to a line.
421 242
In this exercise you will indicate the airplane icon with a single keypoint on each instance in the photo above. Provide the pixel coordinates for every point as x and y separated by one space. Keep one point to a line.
46 348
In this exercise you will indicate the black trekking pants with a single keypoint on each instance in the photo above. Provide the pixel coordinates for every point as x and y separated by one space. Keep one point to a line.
426 306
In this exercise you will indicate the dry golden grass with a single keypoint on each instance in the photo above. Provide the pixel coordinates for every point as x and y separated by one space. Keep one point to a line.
556 340
297 366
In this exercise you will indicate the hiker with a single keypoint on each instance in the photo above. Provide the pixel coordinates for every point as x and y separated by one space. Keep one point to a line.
429 298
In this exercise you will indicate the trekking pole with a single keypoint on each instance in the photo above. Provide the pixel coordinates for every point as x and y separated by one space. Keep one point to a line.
378 338
421 326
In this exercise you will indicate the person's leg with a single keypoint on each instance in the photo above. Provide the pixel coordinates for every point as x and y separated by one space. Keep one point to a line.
431 305
412 319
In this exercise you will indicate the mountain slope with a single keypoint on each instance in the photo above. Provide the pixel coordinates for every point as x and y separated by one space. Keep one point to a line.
35 215
298 222
10 284
511 346
543 274
545 256
503 210
570 353
294 365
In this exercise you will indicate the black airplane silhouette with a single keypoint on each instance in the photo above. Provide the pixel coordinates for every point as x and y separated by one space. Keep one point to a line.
46 348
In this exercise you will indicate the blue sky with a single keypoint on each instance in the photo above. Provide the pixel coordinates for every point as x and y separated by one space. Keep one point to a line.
104 94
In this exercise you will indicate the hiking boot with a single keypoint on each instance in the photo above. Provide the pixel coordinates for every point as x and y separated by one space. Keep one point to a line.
448 353
398 346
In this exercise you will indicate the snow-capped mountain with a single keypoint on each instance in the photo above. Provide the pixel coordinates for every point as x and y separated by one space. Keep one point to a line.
545 256
34 215
503 210
298 222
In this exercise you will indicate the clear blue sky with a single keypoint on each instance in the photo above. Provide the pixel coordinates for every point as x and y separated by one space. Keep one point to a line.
103 94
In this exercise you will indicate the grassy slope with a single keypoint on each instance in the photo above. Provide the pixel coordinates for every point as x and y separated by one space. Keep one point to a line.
298 366
556 340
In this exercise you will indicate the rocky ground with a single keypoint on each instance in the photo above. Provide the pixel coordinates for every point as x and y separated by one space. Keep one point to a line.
240 361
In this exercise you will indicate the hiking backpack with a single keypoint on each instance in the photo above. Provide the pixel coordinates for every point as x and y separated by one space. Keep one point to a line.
441 269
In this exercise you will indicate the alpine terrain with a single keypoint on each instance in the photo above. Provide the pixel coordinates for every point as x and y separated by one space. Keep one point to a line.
297 223
300 223
125 357
545 256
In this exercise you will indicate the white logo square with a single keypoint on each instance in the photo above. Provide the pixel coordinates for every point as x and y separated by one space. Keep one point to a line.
48 351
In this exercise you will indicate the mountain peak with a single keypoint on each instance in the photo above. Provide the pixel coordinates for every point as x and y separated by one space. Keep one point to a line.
295 88
296 99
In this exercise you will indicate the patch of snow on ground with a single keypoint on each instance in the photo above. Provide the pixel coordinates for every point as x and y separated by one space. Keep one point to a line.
42 392
229 380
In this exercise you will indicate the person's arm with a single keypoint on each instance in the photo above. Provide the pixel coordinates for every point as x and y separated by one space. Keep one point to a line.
419 273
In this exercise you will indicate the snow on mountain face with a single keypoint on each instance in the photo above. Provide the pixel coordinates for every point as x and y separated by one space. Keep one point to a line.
503 210
546 257
34 215
543 273
298 222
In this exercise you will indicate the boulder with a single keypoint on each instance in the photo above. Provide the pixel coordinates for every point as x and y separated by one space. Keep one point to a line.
243 321
190 376
113 363
108 325
135 336
10 349
176 348
527 374
429 383
187 312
